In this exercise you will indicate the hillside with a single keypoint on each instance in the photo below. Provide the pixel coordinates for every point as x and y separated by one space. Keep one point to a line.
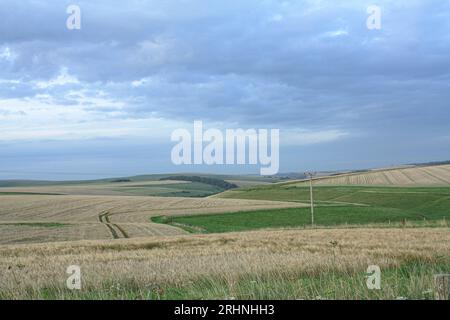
433 175
161 185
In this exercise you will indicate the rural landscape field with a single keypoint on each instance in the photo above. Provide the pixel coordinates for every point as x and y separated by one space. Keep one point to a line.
250 239
220 157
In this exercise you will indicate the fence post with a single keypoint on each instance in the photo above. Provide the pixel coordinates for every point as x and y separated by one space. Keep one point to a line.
442 286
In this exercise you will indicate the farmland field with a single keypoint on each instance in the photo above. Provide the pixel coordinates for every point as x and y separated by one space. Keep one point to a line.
409 176
253 242
426 201
348 217
145 185
146 188
334 206
23 218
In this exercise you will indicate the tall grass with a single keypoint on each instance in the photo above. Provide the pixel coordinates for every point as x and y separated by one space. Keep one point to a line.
285 264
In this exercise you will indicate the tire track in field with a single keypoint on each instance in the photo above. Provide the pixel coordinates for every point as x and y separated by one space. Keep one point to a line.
116 231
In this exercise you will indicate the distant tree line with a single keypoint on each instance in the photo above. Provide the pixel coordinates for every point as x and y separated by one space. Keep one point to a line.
206 180
121 180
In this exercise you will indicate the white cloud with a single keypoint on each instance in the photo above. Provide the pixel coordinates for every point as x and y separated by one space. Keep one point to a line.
7 54
62 79
334 34
44 117
138 83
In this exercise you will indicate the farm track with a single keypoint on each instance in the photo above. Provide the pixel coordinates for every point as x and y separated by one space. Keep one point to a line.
333 202
116 231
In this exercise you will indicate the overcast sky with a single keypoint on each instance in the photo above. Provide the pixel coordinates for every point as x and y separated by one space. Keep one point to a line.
103 100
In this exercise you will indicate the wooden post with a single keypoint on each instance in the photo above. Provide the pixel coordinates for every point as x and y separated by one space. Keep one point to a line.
442 286
311 175
312 200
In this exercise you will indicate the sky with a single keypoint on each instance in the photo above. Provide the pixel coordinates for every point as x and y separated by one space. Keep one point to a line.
103 100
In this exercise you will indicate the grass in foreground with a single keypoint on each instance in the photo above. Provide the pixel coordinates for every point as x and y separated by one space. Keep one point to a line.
413 280
284 264
410 281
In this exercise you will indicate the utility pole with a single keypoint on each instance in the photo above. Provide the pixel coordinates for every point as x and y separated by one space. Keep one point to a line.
311 175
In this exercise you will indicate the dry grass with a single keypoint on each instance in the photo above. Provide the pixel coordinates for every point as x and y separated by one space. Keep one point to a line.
181 260
410 176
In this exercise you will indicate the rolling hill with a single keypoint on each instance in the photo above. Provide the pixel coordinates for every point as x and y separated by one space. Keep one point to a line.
432 175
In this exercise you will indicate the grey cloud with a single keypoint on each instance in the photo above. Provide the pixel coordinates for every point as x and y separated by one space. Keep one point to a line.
236 62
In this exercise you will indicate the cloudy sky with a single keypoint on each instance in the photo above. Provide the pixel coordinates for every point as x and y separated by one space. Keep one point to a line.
103 100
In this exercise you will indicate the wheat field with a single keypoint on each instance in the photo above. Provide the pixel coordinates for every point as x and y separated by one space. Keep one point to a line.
180 261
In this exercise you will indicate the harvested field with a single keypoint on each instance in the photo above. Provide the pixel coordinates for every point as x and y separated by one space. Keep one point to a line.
98 189
104 217
121 209
23 232
409 176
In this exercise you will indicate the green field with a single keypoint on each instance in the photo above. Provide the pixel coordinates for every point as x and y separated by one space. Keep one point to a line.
426 201
334 206
299 217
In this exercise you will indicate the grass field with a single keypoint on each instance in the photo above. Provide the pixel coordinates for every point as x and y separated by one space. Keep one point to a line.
431 201
301 217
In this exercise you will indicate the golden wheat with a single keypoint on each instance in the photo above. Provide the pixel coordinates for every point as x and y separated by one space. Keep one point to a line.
180 260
